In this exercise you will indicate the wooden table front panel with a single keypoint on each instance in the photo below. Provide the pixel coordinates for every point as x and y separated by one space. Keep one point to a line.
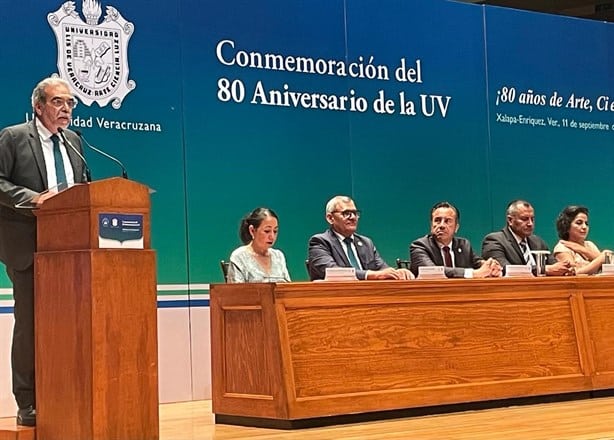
320 349
245 352
400 346
598 302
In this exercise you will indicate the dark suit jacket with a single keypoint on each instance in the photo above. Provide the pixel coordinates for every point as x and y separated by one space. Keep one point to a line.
325 250
503 247
425 252
22 176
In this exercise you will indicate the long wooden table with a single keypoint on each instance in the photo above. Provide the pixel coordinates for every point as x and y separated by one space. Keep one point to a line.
296 351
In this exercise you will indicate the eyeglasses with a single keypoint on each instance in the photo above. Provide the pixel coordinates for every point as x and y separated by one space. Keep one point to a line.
348 213
59 102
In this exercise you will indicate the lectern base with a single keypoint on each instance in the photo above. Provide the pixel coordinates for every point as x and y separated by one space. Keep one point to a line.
10 431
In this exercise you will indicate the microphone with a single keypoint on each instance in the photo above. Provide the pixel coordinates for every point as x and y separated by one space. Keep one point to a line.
107 155
88 173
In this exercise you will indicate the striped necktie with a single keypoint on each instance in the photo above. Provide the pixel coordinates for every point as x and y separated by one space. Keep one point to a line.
524 247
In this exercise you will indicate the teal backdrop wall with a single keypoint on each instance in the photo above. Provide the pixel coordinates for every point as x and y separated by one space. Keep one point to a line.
476 121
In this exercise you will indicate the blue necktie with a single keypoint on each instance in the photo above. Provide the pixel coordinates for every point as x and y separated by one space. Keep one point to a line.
60 174
351 256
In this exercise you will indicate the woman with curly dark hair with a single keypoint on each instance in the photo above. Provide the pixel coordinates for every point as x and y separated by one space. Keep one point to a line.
573 247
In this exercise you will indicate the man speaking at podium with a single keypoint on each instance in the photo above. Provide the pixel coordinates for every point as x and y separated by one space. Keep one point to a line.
36 159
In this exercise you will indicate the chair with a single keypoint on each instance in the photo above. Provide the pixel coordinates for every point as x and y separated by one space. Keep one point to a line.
224 265
403 264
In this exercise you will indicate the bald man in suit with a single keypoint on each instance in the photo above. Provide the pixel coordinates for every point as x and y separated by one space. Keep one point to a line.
340 246
30 171
514 243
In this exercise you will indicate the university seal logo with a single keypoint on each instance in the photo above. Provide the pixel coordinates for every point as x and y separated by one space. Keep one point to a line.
92 57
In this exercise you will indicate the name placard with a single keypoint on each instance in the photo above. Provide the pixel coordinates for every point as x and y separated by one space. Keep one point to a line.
340 274
518 270
607 269
431 273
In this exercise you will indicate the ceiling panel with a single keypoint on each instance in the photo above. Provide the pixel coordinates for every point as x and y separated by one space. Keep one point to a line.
592 9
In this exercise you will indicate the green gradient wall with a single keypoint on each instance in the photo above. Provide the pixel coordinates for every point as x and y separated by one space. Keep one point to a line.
213 160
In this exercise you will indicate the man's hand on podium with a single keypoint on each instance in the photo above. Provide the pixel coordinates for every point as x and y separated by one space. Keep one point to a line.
39 199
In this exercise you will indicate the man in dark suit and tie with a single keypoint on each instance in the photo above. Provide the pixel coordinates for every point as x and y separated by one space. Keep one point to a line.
514 243
340 246
34 162
442 248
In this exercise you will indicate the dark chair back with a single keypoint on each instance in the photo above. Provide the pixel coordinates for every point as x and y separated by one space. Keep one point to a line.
224 265
403 264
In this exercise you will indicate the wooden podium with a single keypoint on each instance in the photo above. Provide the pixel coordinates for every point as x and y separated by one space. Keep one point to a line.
96 329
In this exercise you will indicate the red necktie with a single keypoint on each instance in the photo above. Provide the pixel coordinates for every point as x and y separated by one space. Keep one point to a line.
447 260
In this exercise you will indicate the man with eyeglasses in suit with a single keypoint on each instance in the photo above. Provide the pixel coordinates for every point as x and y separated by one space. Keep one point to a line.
340 246
34 164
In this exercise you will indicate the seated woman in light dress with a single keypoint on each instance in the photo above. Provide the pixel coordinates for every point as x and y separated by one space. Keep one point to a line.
572 227
257 261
